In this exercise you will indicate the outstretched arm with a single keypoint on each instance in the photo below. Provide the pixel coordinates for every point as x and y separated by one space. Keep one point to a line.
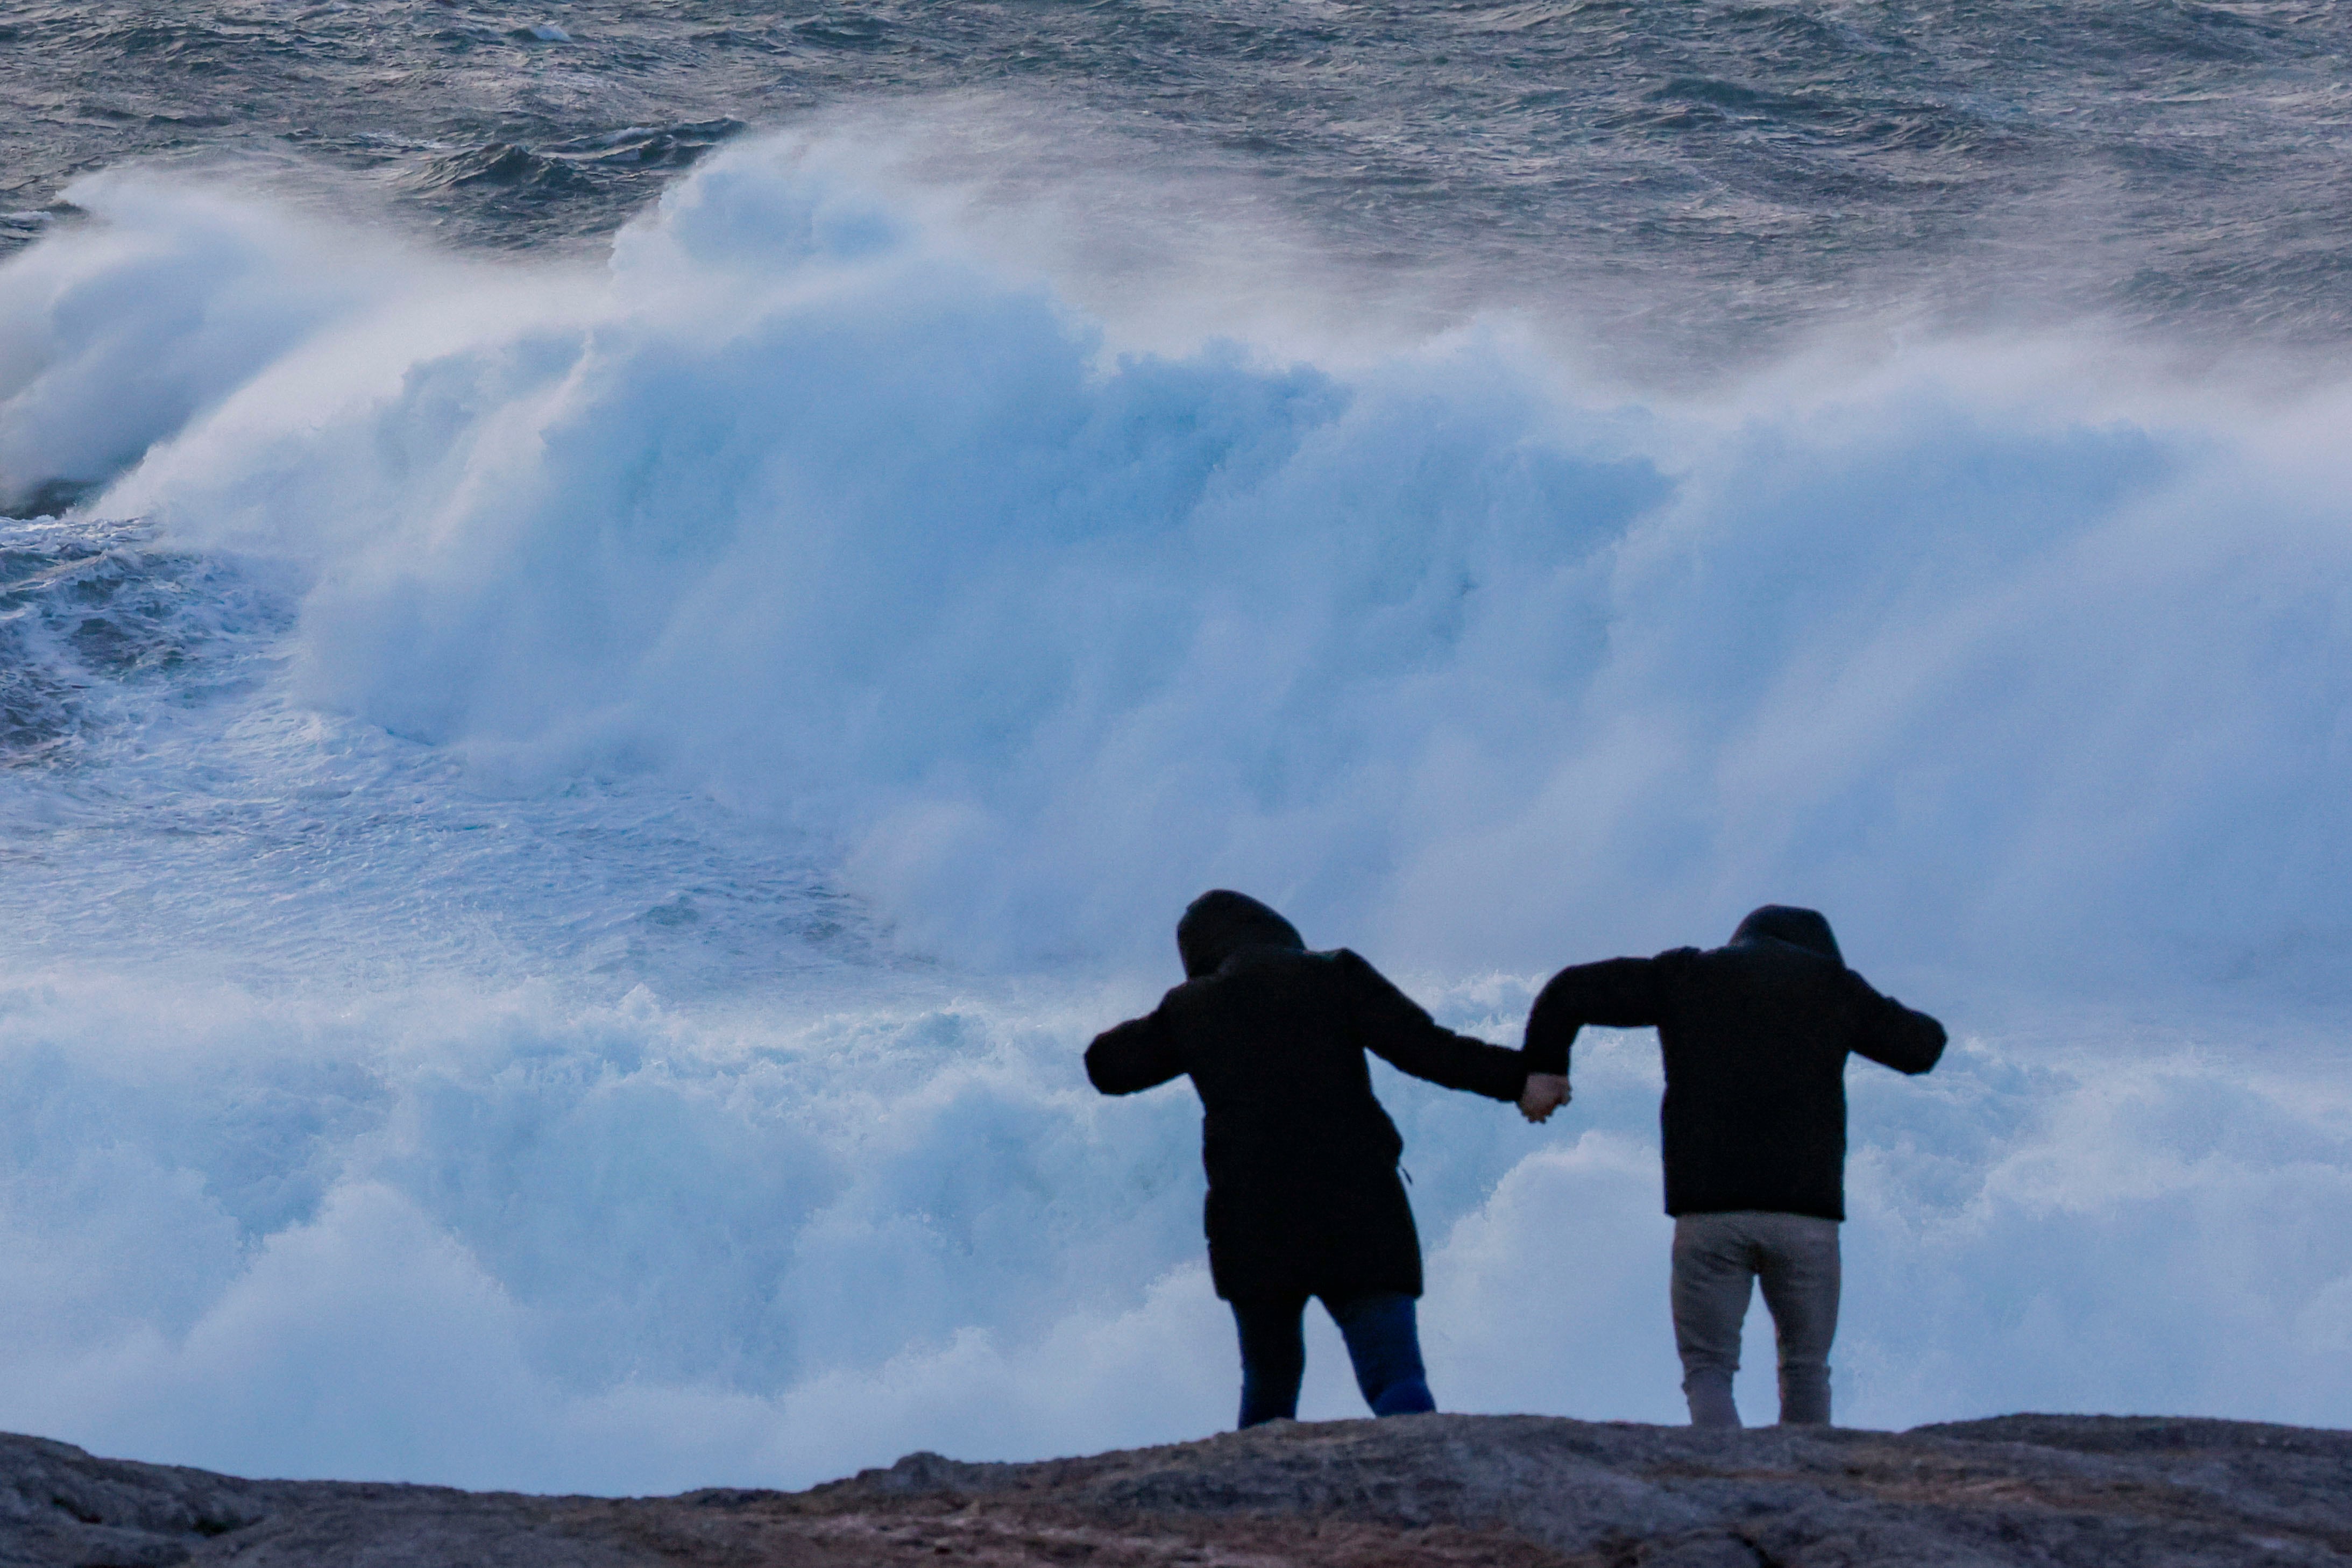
1893 1035
1401 1033
1617 993
1137 1055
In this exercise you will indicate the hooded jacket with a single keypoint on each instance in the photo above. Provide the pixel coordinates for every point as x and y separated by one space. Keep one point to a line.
1755 1035
1304 1197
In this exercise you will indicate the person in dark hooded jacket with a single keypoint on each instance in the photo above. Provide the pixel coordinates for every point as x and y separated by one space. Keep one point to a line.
1304 1197
1755 1036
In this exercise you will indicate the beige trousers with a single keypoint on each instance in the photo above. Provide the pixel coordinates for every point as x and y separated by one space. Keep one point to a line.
1718 1259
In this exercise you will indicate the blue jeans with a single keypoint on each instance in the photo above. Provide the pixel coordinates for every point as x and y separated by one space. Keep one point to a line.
1383 1341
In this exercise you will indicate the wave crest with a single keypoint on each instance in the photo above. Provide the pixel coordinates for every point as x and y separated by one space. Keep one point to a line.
805 501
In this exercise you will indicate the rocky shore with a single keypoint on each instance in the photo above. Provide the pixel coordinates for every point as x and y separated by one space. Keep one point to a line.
1515 1491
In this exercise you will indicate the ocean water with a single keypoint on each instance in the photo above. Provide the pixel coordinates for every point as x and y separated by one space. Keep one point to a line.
621 630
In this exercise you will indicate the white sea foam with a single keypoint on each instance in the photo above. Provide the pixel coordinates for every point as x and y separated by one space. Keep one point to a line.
804 506
812 545
502 1240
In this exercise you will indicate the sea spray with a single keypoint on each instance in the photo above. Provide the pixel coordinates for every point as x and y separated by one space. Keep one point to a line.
509 1242
806 507
580 984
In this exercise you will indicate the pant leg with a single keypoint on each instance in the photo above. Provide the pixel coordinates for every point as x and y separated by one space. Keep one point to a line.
1274 1356
1800 1271
1384 1342
1714 1273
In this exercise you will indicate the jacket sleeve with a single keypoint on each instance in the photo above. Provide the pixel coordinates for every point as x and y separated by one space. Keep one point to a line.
1893 1035
1140 1053
1617 993
1397 1029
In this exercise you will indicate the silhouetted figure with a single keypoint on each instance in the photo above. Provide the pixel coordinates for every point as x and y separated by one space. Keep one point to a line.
1755 1036
1304 1197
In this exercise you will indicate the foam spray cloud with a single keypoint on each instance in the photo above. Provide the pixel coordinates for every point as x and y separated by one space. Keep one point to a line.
2031 672
803 503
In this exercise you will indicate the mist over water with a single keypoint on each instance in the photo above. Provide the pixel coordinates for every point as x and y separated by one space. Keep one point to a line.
570 814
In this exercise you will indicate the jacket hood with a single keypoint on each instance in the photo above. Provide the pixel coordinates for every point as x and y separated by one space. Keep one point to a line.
1219 924
1804 928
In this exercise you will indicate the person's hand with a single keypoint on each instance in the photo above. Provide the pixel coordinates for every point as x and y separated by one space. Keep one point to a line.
1544 1092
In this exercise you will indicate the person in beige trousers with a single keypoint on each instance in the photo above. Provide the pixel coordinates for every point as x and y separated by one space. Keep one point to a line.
1755 1036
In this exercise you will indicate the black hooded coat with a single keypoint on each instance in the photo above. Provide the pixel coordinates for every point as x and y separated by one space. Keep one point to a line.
1755 1036
1304 1197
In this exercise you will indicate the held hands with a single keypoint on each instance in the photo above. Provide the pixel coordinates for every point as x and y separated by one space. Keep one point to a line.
1544 1092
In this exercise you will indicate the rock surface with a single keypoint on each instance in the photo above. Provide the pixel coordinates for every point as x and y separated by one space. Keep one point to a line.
1418 1491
